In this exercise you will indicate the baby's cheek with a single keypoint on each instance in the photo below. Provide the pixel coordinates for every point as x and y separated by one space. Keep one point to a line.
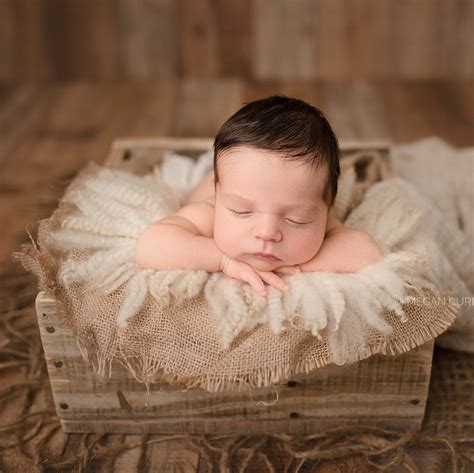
225 239
304 248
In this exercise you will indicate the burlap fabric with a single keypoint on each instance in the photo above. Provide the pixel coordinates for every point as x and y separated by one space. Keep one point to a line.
179 344
32 439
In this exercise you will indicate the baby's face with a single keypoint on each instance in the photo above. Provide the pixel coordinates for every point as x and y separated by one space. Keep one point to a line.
280 208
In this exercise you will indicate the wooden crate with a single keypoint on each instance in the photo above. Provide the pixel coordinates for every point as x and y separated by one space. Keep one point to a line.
381 391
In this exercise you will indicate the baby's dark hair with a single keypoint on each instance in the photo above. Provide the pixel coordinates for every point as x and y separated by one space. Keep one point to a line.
289 126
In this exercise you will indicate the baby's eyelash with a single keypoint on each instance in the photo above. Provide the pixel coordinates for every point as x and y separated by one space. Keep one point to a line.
297 224
240 214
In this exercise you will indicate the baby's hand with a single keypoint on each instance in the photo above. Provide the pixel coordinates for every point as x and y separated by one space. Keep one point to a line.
238 270
294 269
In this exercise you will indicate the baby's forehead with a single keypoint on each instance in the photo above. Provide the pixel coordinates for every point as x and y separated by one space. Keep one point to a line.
244 165
247 157
294 194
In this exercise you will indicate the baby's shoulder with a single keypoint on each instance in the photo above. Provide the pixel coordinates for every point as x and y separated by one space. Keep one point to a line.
201 215
211 200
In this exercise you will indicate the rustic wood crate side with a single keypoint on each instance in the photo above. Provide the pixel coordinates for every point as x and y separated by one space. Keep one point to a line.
386 391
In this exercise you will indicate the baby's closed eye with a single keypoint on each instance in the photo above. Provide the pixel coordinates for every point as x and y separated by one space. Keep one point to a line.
292 221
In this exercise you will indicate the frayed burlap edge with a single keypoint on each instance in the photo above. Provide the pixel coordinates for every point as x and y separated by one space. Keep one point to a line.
36 260
268 376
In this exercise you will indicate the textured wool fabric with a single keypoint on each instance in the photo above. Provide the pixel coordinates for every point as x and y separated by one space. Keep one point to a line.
444 180
198 329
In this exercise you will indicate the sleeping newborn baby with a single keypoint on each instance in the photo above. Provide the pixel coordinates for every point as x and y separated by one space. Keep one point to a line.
267 207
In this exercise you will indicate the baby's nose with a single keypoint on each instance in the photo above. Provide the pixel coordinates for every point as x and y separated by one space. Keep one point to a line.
267 228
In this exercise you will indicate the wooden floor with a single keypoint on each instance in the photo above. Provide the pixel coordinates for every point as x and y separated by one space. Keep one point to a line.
48 132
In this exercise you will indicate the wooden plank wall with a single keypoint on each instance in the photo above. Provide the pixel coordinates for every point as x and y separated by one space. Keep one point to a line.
42 40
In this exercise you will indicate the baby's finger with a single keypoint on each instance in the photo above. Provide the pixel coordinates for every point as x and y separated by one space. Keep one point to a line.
271 278
256 282
260 288
234 281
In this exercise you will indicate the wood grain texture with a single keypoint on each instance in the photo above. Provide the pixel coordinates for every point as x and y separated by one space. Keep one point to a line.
107 40
149 34
367 109
381 391
6 42
284 35
204 105
58 130
199 38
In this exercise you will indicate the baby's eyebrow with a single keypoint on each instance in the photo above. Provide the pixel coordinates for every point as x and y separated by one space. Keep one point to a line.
301 205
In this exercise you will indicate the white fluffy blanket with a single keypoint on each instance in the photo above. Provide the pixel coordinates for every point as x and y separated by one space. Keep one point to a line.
444 180
113 207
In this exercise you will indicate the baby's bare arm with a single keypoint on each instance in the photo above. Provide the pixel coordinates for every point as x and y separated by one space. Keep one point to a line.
203 191
167 245
181 241
344 251
185 241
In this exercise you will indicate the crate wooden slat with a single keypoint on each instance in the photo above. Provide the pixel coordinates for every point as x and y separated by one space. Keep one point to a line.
384 391
381 391
139 154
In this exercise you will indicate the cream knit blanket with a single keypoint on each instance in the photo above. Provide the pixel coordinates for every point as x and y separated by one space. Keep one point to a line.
444 181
